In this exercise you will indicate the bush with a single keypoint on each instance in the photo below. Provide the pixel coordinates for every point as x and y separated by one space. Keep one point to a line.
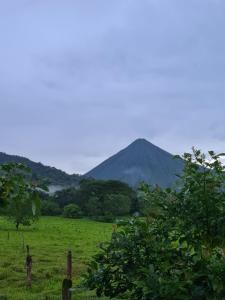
176 252
72 211
146 261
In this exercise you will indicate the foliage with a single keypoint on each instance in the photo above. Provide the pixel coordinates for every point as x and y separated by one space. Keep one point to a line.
152 201
177 251
101 189
72 211
18 194
50 208
140 263
109 205
93 206
117 205
65 196
41 172
201 201
99 198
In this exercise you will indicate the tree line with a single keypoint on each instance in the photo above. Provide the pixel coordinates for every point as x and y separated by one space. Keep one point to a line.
102 200
23 199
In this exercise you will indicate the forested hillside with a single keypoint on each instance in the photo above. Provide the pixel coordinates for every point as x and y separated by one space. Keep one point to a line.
52 175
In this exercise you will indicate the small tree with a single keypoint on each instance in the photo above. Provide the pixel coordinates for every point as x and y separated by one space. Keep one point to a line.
18 194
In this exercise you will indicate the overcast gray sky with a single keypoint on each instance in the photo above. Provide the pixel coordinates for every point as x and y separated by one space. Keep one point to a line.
81 79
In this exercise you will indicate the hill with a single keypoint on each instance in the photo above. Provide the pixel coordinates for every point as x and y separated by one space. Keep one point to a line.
53 176
140 161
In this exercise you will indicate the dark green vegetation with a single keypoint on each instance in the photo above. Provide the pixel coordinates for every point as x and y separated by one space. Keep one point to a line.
102 200
51 175
49 240
177 251
140 161
72 211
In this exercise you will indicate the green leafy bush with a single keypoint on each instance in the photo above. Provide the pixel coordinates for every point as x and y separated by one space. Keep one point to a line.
176 252
72 211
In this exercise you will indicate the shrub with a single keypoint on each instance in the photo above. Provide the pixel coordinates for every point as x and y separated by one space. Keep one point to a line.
176 252
72 211
146 261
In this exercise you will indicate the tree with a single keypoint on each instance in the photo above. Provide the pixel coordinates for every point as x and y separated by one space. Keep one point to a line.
116 205
18 194
66 196
101 198
98 198
108 206
93 206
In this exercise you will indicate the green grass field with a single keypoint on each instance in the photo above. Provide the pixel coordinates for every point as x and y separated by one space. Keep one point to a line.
49 240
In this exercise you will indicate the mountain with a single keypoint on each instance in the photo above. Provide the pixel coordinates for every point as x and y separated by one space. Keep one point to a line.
140 161
54 177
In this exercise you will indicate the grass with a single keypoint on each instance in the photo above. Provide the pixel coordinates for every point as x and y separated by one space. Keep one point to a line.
49 241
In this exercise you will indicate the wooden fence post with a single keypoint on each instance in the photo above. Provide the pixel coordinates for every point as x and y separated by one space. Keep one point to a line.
69 265
29 267
67 282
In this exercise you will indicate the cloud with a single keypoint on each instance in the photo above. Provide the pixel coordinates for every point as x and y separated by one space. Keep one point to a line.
82 79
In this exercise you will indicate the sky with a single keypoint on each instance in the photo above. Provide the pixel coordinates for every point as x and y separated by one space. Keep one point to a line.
81 79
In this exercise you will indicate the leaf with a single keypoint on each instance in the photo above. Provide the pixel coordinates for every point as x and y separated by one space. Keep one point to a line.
184 245
211 153
220 154
192 251
175 244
